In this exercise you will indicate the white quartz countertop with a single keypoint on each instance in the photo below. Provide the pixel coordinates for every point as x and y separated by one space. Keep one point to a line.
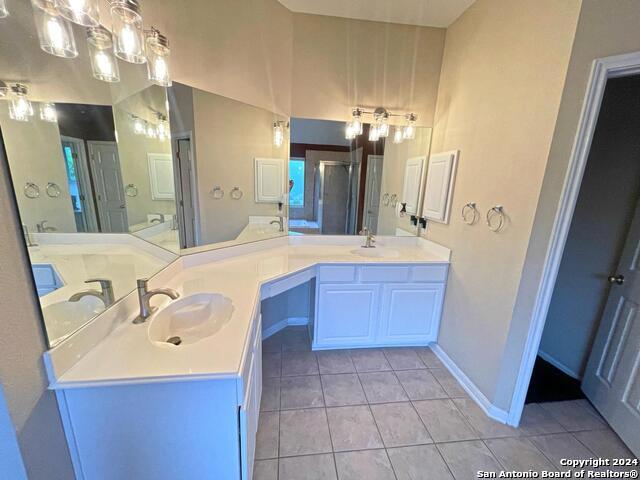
126 355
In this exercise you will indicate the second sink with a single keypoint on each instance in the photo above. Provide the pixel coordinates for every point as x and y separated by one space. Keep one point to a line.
190 319
378 252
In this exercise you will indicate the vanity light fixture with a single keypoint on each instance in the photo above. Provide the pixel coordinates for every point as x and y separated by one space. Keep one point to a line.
3 89
48 112
127 31
409 132
278 133
158 57
54 31
104 64
3 9
20 107
81 12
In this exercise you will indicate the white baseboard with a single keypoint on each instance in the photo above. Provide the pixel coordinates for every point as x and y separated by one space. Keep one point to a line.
474 392
282 324
560 366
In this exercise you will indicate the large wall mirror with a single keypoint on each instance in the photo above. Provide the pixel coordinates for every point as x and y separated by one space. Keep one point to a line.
343 186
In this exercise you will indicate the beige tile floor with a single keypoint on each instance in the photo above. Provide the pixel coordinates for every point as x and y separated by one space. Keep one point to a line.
398 414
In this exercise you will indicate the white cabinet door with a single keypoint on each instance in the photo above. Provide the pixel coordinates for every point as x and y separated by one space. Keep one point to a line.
269 180
346 315
410 313
250 409
439 189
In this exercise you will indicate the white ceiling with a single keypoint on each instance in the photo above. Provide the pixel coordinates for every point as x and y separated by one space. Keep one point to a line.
428 13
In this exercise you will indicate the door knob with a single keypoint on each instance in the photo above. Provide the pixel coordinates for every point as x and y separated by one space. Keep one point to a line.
619 279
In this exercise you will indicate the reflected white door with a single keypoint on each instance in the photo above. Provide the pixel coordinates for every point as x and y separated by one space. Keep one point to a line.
105 166
372 192
612 378
412 182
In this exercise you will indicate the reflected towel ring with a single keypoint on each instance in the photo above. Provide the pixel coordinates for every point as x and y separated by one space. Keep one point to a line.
31 190
394 200
236 193
131 190
53 190
498 211
217 193
385 200
471 206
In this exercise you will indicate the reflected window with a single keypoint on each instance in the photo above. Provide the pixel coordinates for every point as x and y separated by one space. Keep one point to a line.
72 178
296 182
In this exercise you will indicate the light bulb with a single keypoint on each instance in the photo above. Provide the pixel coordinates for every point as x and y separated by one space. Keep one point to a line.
383 129
3 9
48 112
127 30
20 108
374 133
103 62
139 127
54 32
163 128
350 131
397 135
151 131
82 12
158 52
278 134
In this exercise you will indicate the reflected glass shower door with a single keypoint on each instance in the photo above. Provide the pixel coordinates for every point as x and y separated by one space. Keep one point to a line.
333 205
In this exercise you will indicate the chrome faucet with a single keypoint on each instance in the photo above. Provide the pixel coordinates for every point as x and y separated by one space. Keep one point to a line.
280 223
369 242
144 295
42 227
27 237
105 293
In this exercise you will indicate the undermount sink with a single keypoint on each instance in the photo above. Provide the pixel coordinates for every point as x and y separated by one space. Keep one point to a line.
190 319
377 252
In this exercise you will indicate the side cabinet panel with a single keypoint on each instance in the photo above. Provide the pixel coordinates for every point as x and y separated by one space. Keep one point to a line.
410 313
346 315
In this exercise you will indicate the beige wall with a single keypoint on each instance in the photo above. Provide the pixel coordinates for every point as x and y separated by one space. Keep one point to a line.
228 136
340 63
133 150
393 166
502 77
35 155
32 407
604 29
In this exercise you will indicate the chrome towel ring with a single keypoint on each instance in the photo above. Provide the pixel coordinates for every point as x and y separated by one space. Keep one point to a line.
236 193
470 208
492 213
53 190
385 200
31 190
217 193
131 190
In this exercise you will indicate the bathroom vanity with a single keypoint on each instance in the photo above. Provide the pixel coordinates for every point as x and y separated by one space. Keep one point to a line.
137 406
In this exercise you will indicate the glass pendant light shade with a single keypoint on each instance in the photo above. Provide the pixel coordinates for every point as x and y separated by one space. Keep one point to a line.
151 131
48 112
3 9
409 132
163 130
158 58
139 127
278 134
350 131
54 31
20 107
398 136
374 133
104 64
127 31
82 12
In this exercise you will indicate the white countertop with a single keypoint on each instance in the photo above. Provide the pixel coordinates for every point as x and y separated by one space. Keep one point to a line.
127 356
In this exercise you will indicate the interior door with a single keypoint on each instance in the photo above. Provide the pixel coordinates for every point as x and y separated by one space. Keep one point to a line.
612 378
335 197
372 192
105 166
184 193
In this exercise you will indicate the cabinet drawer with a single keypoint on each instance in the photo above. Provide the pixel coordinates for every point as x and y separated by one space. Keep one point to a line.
384 274
331 273
429 273
275 288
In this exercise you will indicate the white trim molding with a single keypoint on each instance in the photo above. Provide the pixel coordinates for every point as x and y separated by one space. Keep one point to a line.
602 70
474 392
282 324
